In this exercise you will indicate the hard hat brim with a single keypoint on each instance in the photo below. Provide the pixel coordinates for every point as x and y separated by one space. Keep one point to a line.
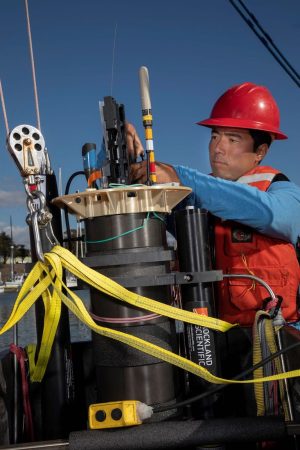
242 123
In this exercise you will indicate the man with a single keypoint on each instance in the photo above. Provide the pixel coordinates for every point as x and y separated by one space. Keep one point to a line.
257 209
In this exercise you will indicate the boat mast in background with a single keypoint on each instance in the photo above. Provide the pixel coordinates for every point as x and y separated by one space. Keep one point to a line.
12 268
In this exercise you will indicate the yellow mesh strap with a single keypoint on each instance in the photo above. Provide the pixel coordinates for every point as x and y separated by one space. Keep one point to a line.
27 296
115 290
30 351
77 307
52 276
52 305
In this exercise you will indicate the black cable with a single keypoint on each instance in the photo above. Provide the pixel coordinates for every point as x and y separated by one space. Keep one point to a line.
264 41
219 387
67 222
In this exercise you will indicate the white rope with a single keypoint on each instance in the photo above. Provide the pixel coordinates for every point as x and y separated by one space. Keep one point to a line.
4 109
33 68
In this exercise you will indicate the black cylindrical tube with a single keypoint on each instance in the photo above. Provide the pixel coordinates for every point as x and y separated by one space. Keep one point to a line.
123 372
56 419
194 255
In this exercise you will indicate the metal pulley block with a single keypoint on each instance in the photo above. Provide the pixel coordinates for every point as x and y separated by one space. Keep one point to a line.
26 144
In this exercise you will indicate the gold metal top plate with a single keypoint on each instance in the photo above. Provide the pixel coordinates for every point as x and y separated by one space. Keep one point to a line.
123 200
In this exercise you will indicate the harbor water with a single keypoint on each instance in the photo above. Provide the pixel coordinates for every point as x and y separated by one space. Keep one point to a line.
26 327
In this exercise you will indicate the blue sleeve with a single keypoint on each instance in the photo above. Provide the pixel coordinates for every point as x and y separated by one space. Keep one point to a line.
275 213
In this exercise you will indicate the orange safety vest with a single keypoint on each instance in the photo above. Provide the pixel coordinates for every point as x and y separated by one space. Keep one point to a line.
243 250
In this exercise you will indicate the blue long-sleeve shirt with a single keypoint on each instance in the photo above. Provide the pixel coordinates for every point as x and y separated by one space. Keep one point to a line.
275 212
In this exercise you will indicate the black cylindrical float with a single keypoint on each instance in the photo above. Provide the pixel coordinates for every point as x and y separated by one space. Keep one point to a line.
122 372
194 255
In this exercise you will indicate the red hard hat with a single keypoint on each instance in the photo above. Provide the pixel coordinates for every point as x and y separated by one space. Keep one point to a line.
247 106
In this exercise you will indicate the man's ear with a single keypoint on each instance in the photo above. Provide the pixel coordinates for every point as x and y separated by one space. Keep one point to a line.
261 152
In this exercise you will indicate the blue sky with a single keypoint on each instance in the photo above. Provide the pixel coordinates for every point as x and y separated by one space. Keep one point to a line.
194 51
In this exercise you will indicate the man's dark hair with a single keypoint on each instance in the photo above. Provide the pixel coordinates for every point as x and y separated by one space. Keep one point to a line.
260 137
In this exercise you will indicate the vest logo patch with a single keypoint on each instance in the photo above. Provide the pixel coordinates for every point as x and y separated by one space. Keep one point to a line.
241 235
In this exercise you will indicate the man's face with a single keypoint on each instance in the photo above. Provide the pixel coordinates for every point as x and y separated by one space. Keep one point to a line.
231 152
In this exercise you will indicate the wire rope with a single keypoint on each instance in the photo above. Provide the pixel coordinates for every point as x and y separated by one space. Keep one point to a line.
36 99
4 109
268 37
293 74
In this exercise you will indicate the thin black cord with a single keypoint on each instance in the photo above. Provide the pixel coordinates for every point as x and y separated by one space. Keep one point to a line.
264 41
67 222
213 390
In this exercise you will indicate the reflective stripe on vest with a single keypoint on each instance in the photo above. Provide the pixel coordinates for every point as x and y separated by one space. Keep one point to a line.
260 177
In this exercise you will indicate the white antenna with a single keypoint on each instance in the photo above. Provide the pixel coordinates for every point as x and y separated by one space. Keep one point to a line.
33 68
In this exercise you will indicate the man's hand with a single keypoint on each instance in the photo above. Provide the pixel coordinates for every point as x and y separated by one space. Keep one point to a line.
134 145
164 173
138 171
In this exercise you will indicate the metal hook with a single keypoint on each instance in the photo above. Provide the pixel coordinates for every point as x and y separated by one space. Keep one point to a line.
36 236
51 236
40 218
